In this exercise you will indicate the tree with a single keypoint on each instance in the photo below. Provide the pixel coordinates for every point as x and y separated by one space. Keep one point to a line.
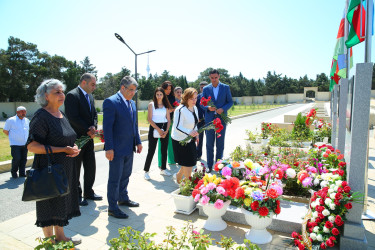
322 82
88 67
110 84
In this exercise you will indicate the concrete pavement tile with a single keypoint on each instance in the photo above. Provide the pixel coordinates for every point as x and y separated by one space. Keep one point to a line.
25 231
9 243
17 222
89 243
81 222
278 239
101 231
31 240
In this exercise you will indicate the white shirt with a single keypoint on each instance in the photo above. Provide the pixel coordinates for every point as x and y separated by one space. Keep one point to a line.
183 123
18 130
126 101
159 115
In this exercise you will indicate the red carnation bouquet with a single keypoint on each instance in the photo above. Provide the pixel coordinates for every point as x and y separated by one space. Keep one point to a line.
324 222
208 102
310 117
80 142
215 124
176 104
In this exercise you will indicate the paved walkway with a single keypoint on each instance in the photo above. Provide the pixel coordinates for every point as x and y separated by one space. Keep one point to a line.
155 212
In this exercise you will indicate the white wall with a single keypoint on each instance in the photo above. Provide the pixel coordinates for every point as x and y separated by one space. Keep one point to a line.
258 99
280 98
268 99
292 98
323 96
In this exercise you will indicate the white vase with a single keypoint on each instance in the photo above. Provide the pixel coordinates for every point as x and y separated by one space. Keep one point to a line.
265 142
214 221
184 204
258 233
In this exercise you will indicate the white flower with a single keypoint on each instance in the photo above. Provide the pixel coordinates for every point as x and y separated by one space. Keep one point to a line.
338 183
332 206
336 188
291 173
323 184
331 218
313 236
328 201
315 214
313 204
330 191
326 212
325 229
220 166
317 201
333 196
319 237
316 181
316 229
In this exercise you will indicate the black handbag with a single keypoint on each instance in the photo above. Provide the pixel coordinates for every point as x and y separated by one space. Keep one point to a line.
45 182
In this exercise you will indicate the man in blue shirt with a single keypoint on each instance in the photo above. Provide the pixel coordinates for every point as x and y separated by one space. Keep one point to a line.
17 129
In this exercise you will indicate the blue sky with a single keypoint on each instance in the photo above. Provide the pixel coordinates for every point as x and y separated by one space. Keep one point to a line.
290 37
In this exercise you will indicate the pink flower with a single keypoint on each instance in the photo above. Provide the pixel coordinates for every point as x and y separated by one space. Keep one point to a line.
197 197
195 232
219 204
221 191
226 171
311 169
204 190
205 199
211 186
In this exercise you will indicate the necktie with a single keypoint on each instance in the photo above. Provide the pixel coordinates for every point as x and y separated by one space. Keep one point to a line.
88 100
130 108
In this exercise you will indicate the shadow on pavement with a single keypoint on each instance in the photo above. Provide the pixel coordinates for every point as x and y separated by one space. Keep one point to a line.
12 183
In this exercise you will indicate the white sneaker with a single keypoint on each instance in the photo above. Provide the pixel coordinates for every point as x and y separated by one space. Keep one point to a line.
165 172
147 176
175 178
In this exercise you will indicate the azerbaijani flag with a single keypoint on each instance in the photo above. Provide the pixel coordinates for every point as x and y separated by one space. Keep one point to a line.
338 66
357 21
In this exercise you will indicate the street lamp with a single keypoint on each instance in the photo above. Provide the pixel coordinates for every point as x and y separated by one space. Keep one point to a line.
136 75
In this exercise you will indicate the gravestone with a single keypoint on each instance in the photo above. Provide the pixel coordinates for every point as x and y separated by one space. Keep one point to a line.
358 111
334 115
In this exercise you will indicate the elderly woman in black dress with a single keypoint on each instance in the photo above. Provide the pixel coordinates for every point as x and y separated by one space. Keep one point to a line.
49 126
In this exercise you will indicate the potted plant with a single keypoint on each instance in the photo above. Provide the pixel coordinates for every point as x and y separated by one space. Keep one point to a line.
214 194
253 137
182 196
260 202
267 129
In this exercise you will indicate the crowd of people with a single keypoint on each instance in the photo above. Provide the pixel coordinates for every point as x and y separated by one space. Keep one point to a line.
173 115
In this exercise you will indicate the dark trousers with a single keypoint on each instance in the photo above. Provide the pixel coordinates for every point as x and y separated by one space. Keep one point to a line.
120 169
19 155
87 157
152 142
200 144
211 138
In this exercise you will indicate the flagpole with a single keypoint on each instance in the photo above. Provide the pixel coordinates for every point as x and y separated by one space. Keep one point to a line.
369 24
346 33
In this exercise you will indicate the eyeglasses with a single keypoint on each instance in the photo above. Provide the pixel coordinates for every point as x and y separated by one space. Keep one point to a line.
132 90
193 99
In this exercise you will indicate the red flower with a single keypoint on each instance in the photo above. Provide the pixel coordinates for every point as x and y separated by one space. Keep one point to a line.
294 234
272 193
278 203
330 243
176 104
240 193
263 211
216 167
342 164
328 224
338 196
321 216
195 192
323 246
347 189
279 174
348 206
254 206
301 247
335 231
344 183
277 210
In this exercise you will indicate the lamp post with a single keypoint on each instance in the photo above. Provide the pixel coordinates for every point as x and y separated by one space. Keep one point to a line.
136 74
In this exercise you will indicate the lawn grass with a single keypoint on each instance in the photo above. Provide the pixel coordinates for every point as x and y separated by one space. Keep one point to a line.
142 122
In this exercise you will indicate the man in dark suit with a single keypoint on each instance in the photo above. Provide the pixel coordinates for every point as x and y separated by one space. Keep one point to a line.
82 115
121 140
201 119
222 99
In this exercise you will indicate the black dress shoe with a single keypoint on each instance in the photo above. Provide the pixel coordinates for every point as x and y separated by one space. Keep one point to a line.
209 170
83 202
22 175
94 197
128 203
14 176
118 214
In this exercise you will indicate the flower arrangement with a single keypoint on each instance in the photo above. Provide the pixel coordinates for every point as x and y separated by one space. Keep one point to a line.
208 102
187 184
310 117
260 197
213 189
215 124
80 142
226 168
301 131
325 219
